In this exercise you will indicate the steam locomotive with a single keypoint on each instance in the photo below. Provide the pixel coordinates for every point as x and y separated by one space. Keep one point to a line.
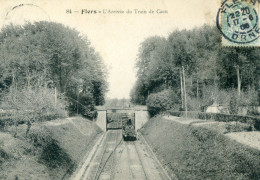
128 129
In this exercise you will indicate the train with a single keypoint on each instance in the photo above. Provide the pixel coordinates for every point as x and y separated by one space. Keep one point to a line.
128 128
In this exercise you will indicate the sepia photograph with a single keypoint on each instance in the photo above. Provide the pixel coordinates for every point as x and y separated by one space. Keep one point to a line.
129 90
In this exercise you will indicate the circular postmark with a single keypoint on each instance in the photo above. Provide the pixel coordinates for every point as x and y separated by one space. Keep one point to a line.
23 13
238 21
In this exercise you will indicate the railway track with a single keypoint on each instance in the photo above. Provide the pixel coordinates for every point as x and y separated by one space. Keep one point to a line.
106 165
110 161
103 163
128 160
129 163
145 149
141 161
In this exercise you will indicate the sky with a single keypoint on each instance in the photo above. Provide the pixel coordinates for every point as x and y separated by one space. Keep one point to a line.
116 36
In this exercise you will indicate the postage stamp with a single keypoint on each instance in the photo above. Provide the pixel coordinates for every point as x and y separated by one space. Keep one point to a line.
238 21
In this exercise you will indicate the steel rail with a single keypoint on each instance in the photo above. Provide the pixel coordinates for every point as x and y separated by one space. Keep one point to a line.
128 161
146 176
164 173
112 166
102 157
101 170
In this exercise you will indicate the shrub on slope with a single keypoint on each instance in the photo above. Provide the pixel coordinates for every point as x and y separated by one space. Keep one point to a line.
198 153
64 143
52 150
161 101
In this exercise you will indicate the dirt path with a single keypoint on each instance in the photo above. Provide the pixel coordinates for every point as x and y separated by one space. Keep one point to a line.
183 120
251 139
122 160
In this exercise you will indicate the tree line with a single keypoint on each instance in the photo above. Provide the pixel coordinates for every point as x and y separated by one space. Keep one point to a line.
53 57
193 65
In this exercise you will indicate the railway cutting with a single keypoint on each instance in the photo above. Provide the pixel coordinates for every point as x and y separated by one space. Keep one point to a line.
120 158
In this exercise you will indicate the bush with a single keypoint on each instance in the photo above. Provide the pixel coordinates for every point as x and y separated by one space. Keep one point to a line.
89 112
233 105
229 98
249 98
237 127
194 104
161 101
50 152
253 111
212 94
33 104
84 105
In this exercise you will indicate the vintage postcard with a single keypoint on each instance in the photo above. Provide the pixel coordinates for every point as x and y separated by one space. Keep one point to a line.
130 89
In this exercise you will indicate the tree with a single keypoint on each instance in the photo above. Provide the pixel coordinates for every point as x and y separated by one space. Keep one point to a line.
193 61
43 52
33 104
161 101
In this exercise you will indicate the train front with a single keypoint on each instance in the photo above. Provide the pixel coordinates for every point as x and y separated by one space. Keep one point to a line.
128 130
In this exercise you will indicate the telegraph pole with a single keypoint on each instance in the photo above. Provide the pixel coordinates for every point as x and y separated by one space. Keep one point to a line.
182 106
55 96
77 102
184 88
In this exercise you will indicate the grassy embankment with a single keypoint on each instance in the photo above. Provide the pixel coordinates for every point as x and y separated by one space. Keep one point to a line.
51 151
193 152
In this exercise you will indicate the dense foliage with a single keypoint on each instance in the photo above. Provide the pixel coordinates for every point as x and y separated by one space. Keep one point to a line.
196 59
32 104
47 56
161 101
